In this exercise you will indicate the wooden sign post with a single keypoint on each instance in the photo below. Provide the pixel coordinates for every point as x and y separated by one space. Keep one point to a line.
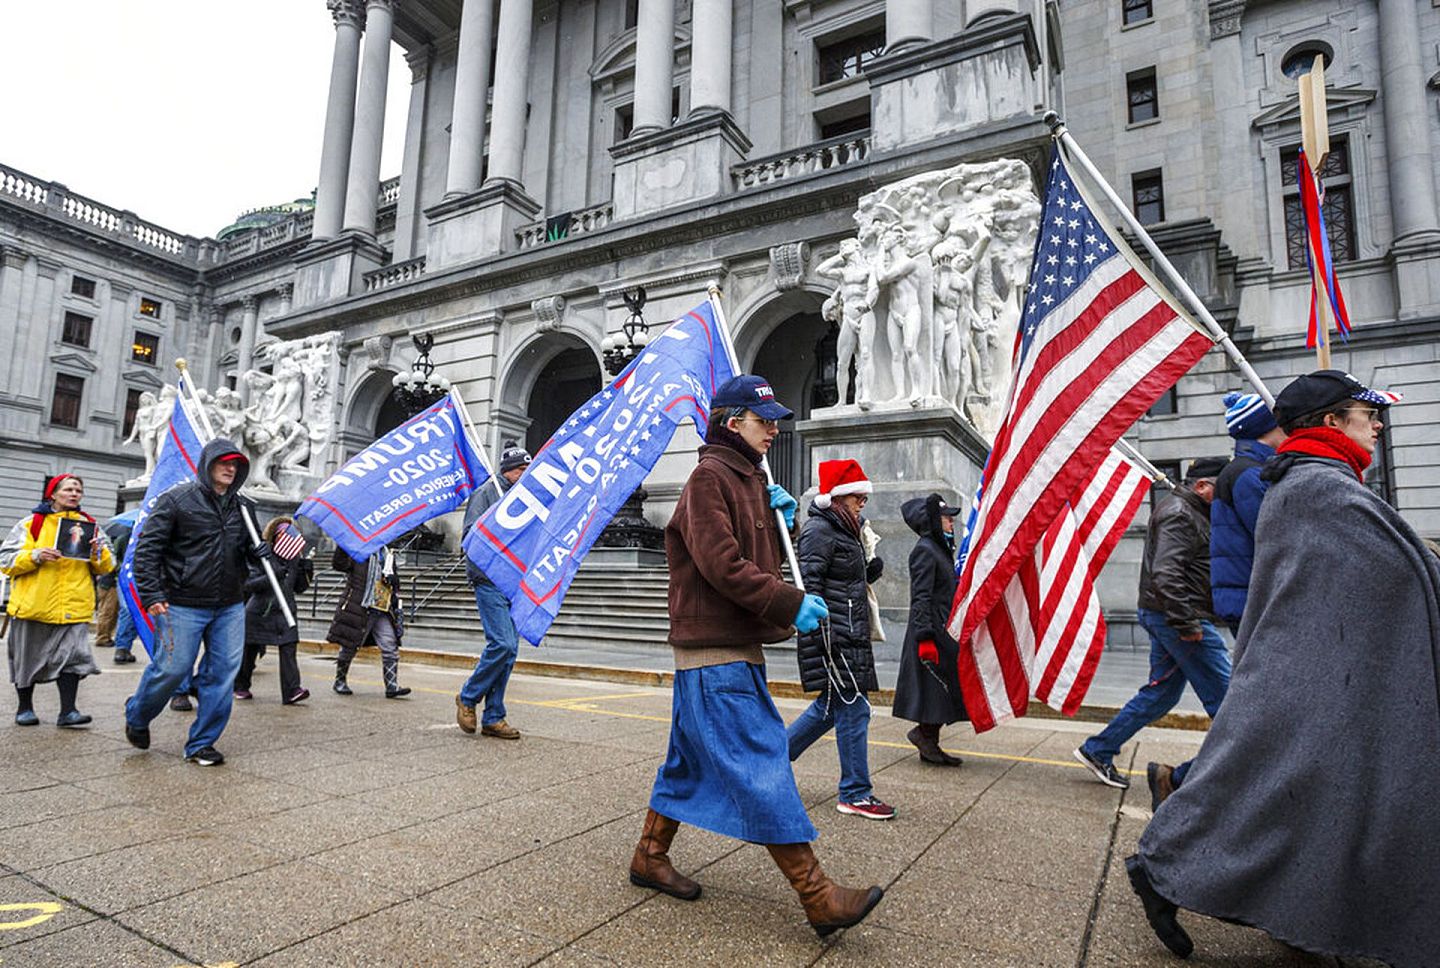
1315 139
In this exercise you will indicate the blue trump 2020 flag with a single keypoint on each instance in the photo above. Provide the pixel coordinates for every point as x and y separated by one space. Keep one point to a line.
421 469
531 542
175 464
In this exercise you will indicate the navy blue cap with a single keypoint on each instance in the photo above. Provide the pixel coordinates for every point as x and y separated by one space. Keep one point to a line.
754 394
1323 389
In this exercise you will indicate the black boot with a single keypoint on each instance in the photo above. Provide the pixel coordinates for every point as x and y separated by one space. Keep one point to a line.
925 737
1158 911
390 669
25 706
342 669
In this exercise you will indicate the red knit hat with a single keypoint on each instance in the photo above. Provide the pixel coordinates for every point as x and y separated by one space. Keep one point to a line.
840 477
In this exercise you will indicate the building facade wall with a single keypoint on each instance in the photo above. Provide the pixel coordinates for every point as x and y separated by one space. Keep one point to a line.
502 314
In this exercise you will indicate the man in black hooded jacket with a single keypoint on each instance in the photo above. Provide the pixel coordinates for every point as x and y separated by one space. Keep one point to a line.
191 561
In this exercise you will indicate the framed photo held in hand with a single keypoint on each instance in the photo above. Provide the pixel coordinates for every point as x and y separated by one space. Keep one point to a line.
72 538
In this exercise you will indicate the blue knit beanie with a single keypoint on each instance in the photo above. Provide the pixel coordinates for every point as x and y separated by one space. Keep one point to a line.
1247 417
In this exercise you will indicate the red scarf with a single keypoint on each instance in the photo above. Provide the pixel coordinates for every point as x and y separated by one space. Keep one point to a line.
1327 442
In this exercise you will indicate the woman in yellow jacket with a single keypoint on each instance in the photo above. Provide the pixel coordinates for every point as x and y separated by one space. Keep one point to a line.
52 565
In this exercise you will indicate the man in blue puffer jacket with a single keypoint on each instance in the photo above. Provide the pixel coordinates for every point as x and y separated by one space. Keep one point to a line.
1233 514
1238 492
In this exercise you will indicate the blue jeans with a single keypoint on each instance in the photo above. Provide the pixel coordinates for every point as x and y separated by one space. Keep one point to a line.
852 727
124 628
178 635
502 642
1204 664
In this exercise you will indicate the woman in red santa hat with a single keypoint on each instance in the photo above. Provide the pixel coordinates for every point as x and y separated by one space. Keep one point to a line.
836 659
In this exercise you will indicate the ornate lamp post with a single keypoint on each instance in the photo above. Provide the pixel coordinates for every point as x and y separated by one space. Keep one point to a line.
420 388
629 529
620 349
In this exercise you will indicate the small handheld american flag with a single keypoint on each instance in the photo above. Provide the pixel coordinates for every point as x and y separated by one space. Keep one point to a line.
289 543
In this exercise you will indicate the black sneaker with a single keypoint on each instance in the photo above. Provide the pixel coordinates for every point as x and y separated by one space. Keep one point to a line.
182 704
123 656
207 756
1104 772
139 738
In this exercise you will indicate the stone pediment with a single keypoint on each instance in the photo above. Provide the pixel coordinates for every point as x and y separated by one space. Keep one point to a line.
618 56
1341 101
73 360
143 378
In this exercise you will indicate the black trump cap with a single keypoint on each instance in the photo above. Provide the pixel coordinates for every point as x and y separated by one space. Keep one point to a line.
1322 390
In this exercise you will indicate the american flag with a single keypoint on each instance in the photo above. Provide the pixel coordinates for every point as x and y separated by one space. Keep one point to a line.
289 543
1317 252
1100 340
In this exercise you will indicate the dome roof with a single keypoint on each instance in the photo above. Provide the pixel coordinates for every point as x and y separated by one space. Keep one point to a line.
258 218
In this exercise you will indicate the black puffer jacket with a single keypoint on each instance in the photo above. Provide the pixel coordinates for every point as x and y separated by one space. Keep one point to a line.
194 549
1175 572
929 695
352 618
832 564
264 620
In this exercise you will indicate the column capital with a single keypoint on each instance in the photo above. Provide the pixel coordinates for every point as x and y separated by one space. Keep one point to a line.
13 258
286 290
419 62
249 302
347 13
389 6
1225 16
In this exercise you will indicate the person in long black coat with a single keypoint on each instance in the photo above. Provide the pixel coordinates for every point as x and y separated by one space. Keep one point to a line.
837 659
927 690
265 621
368 613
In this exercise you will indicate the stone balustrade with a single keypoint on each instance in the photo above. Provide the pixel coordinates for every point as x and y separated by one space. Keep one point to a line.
390 191
586 220
396 274
57 200
847 149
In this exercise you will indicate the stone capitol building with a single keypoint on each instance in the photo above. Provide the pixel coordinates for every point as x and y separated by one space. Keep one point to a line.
560 153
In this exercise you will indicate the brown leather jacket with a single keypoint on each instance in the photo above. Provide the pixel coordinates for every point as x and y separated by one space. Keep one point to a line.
723 546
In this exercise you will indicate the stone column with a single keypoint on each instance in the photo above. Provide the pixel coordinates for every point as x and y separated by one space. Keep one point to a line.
339 119
472 83
712 26
654 64
512 80
909 23
287 293
363 186
12 278
1407 118
249 324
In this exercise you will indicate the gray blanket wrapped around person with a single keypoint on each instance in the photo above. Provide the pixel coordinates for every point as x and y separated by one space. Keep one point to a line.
1313 809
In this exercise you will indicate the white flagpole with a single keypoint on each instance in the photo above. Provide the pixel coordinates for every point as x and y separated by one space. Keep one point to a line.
1128 451
186 387
475 442
789 545
1177 281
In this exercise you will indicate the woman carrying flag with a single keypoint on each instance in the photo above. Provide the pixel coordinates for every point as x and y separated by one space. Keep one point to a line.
265 623
52 600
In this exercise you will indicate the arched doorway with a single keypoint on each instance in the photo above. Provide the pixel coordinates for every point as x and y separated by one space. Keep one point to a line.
392 414
564 384
548 379
373 410
794 358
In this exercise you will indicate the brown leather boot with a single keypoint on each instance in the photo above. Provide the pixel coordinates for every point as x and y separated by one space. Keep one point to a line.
828 906
651 865
925 737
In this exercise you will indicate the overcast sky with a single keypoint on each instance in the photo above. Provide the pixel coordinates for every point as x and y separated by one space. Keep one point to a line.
185 112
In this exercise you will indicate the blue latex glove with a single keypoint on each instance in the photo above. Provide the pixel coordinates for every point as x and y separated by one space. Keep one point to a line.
812 610
781 500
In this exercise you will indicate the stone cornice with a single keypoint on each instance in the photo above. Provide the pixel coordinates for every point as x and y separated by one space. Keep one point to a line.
693 128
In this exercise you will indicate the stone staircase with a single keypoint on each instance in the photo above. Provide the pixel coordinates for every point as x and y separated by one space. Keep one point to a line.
607 605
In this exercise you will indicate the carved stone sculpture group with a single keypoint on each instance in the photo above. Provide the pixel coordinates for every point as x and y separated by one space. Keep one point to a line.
929 292
285 426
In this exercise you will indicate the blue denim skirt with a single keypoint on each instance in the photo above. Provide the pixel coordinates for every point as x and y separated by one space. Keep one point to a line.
728 766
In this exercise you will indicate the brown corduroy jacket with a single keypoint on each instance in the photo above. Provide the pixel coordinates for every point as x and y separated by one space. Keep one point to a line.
723 545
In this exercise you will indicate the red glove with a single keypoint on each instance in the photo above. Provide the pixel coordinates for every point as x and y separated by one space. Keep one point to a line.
928 652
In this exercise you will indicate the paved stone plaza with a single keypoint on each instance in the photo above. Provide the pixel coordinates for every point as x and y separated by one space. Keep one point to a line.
363 831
